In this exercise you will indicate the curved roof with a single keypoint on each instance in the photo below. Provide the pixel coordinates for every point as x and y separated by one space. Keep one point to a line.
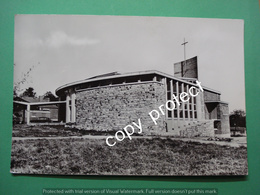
114 75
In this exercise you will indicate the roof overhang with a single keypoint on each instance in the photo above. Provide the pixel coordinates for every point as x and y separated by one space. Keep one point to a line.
39 103
212 102
148 72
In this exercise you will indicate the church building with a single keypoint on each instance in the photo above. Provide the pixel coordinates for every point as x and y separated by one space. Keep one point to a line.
110 101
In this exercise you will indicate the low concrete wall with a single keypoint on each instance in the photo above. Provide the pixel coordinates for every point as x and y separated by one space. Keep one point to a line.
201 129
185 128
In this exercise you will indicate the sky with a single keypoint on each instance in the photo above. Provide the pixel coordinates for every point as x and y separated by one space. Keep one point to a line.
54 50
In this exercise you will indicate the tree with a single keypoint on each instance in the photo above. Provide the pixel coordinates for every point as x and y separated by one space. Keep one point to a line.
50 95
237 118
14 93
29 92
17 88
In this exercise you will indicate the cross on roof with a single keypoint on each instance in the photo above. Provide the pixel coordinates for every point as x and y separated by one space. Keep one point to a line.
183 69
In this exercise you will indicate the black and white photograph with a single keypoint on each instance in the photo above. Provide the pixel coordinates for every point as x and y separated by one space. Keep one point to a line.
128 95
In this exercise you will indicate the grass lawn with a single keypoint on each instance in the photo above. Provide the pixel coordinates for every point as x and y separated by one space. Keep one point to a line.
22 130
142 156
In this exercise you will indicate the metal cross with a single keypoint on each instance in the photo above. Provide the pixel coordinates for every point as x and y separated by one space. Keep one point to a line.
184 43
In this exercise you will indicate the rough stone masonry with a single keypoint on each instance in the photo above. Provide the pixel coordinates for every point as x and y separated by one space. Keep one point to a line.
111 108
184 97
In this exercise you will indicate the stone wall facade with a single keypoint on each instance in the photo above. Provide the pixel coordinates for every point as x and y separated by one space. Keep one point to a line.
111 108
112 104
210 96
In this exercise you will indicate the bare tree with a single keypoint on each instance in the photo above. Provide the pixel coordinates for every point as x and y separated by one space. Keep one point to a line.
17 85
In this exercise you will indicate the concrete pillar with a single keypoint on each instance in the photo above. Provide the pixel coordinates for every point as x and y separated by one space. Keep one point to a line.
166 93
183 109
198 105
73 108
68 109
188 102
177 95
192 107
28 114
171 91
224 118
